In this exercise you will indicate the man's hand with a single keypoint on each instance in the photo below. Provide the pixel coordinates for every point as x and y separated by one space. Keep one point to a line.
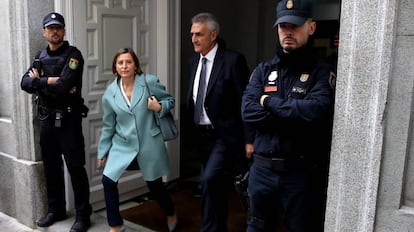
33 73
249 150
72 90
262 99
52 80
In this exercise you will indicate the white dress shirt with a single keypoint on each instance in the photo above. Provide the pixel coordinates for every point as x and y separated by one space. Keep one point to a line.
204 120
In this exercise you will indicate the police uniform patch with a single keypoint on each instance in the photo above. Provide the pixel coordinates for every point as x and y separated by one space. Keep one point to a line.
332 80
73 63
272 88
304 77
289 4
272 76
299 90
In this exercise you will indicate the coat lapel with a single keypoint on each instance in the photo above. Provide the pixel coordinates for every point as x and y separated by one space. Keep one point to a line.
119 98
214 75
217 66
139 86
193 65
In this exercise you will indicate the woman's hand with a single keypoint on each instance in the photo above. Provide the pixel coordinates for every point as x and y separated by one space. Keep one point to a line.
153 104
101 162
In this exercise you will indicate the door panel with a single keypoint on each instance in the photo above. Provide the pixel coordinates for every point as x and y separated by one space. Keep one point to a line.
101 27
395 210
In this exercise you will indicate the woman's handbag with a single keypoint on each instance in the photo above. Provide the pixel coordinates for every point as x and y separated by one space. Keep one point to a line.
167 125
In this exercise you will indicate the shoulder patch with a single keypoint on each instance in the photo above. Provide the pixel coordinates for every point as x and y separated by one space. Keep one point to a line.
73 63
332 80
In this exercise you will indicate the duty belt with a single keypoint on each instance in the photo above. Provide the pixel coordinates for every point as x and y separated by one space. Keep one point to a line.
46 112
275 164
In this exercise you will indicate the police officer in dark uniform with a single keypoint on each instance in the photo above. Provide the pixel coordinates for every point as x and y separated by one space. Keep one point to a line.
289 101
56 79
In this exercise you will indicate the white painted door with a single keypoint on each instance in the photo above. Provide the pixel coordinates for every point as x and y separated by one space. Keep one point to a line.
99 28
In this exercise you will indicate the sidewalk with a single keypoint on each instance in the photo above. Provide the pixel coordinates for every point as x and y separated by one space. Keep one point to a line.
99 224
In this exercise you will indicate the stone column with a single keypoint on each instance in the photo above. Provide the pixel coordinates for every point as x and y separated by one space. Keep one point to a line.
21 172
367 33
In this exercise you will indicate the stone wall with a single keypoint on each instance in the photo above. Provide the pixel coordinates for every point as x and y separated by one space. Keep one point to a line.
22 194
371 169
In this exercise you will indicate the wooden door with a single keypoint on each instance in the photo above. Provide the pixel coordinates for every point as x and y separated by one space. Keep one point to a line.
99 28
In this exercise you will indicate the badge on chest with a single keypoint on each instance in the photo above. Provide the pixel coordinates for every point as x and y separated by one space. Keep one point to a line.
301 86
271 85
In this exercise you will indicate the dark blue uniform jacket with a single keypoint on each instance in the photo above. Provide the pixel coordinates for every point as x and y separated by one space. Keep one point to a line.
296 119
67 64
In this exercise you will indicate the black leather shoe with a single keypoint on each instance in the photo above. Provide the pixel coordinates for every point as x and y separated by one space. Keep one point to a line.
81 225
49 219
197 191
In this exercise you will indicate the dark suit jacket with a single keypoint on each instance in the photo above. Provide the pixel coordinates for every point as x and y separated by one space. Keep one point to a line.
228 79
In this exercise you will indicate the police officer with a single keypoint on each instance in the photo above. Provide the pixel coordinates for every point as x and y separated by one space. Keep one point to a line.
56 79
289 101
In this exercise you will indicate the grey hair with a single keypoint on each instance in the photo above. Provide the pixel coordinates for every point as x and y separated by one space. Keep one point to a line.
208 18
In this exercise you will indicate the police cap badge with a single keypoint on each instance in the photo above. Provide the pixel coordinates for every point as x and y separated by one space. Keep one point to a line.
293 11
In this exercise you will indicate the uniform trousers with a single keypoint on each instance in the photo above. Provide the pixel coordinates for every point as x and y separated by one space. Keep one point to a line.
301 193
156 188
67 140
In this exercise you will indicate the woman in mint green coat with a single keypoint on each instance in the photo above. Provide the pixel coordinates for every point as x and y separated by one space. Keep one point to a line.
130 134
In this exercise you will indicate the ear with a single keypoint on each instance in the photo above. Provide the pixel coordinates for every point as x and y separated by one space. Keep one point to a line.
214 35
312 27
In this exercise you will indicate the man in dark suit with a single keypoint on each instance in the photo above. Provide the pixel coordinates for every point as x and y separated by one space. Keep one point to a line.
217 79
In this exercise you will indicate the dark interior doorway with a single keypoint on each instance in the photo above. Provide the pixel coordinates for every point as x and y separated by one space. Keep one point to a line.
247 27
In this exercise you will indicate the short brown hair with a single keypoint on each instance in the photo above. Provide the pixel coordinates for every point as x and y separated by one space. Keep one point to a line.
134 57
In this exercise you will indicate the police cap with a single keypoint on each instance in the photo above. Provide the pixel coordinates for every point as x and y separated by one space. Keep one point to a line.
53 19
293 11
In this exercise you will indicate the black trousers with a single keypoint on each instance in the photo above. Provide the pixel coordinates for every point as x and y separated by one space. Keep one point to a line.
156 188
301 193
67 140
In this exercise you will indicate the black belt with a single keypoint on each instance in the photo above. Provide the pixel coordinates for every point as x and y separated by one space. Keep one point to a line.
206 130
208 127
275 164
52 110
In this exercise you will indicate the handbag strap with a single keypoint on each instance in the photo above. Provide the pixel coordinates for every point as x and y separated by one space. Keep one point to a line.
146 84
149 92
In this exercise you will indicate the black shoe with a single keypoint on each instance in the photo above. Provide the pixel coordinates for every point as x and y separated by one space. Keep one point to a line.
81 225
197 192
49 219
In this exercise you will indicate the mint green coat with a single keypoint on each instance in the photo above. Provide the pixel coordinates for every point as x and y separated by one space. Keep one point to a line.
130 134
